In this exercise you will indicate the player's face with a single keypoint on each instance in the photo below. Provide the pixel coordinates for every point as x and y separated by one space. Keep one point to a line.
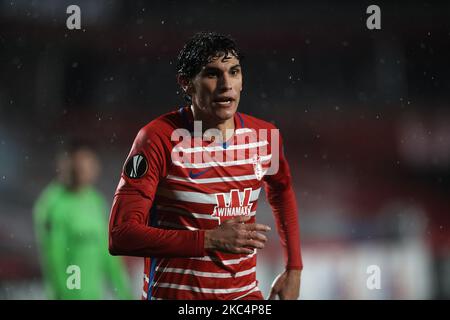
78 170
216 89
85 168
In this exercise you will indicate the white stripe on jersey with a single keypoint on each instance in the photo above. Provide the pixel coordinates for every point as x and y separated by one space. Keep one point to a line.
225 262
207 274
207 216
204 290
221 148
198 197
220 163
212 180
242 130
240 297
244 295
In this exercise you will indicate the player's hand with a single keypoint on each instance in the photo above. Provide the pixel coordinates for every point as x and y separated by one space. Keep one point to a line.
235 236
286 286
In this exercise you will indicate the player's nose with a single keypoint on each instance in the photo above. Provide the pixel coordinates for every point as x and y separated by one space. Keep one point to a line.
225 83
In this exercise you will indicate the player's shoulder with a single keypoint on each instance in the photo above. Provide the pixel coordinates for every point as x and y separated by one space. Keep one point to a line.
50 195
53 191
253 122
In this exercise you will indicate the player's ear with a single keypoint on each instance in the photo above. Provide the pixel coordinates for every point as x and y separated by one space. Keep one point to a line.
185 83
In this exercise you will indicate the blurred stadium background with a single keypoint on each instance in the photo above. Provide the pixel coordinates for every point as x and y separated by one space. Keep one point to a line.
365 116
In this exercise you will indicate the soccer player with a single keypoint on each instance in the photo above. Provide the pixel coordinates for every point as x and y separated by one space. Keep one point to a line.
70 222
194 221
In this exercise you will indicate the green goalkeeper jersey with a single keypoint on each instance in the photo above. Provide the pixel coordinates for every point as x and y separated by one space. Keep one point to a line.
71 229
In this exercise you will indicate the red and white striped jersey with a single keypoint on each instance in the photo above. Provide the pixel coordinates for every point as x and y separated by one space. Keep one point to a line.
170 193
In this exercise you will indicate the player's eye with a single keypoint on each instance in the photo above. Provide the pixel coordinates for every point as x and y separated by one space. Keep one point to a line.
210 73
235 72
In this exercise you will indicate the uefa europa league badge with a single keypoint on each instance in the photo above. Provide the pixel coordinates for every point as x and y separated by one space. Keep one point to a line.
257 167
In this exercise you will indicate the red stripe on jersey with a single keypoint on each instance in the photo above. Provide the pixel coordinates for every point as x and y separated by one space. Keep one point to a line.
166 219
184 184
185 292
217 262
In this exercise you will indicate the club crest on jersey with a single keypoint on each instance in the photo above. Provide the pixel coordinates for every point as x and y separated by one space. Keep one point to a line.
233 204
136 167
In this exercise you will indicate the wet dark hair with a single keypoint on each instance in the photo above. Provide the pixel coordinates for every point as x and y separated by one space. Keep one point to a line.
200 49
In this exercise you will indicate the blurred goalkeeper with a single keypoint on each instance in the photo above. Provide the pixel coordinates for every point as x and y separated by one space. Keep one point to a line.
70 222
188 193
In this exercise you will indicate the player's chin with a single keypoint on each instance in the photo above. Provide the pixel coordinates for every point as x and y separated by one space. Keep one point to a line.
225 112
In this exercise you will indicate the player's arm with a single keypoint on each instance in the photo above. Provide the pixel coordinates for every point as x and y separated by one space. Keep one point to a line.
130 230
281 197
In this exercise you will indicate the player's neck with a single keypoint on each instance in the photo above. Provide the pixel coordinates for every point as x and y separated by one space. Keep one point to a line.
226 126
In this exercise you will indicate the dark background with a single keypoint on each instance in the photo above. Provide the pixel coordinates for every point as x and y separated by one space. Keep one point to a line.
365 117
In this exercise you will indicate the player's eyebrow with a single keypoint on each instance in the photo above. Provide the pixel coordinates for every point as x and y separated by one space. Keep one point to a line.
207 69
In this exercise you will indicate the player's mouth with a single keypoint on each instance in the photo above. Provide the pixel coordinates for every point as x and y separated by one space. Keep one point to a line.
224 101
